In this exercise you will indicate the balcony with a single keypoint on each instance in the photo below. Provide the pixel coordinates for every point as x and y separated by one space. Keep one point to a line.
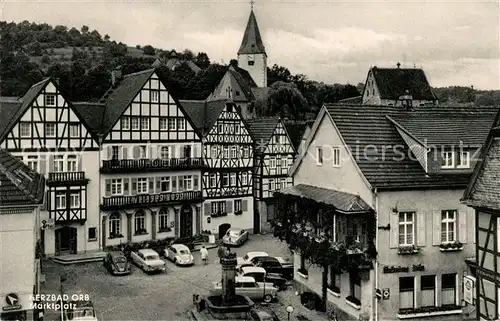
124 202
150 165
67 179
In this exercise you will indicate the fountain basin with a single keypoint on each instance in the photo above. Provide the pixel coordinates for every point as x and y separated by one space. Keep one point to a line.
236 309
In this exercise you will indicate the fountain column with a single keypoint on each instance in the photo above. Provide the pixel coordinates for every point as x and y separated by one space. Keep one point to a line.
228 263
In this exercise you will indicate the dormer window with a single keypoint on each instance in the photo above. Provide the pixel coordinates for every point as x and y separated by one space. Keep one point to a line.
448 160
464 160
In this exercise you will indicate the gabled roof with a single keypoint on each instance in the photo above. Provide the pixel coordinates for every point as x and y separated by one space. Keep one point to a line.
252 41
203 113
92 113
295 131
352 100
245 81
19 185
394 82
262 130
171 63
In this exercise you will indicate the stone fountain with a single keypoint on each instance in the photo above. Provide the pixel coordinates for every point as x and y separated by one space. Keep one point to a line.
228 305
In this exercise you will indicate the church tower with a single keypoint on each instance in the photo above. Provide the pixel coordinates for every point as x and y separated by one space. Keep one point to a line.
252 54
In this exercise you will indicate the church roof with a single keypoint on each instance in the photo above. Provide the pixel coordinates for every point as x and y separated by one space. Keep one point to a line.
252 41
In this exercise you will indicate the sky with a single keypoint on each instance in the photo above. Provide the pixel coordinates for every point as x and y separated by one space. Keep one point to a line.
457 43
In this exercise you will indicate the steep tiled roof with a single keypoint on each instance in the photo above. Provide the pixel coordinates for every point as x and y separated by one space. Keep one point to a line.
252 41
295 131
262 129
245 81
92 113
203 113
342 201
19 185
352 100
393 83
260 92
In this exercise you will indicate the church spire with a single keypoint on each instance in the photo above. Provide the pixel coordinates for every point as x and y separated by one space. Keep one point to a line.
252 41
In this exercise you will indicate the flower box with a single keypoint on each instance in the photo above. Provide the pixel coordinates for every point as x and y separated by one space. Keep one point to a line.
429 312
451 247
303 273
218 214
353 302
333 290
238 212
115 236
141 232
164 230
408 250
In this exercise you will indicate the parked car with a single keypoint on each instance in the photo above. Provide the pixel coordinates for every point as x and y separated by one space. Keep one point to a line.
179 254
263 255
245 285
116 263
248 257
81 310
262 314
273 265
148 260
260 275
235 237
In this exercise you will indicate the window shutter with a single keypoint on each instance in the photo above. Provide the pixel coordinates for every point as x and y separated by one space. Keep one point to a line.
79 163
108 187
229 206
206 209
194 151
471 215
104 153
181 151
421 228
462 226
158 185
43 164
125 152
174 183
151 185
195 182
125 186
181 183
134 186
51 163
109 149
244 205
394 236
135 150
436 227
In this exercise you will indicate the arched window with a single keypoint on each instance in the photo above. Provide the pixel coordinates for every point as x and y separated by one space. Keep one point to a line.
163 221
114 225
140 222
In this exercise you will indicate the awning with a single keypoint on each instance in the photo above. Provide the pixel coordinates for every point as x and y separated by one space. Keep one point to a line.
342 201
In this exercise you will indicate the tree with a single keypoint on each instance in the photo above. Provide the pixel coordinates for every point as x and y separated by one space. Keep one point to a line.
149 50
84 29
35 49
233 62
187 54
45 59
277 73
284 100
202 60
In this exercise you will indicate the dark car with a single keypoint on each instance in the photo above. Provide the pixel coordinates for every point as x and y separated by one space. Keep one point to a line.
260 275
262 314
273 265
116 263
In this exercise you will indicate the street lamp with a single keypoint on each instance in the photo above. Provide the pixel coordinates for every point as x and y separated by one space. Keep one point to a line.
289 309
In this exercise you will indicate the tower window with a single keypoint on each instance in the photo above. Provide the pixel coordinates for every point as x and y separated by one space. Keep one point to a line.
250 63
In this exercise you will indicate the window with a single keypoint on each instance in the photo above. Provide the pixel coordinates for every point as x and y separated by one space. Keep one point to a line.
234 154
214 207
74 130
74 200
188 182
464 160
244 179
272 162
213 180
221 207
60 201
448 160
355 285
164 152
278 184
92 233
236 128
163 123
213 152
237 92
233 179
237 206
448 289
116 186
33 162
140 222
165 184
50 100
144 123
25 129
428 290
125 123
50 130
154 96
72 163
135 123
142 151
246 152
163 219
319 154
114 224
181 124
271 185
283 163
142 185
58 163
336 156
448 226
220 128
225 152
225 179
115 152
407 292
406 228
283 183
172 125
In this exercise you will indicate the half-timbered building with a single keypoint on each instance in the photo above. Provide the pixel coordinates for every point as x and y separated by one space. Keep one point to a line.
150 161
228 152
273 156
45 130
483 195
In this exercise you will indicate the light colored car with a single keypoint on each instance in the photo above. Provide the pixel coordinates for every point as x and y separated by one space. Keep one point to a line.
248 257
179 254
81 311
245 285
235 236
148 260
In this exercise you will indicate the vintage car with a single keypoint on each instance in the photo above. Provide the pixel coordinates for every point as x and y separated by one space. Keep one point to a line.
148 260
116 263
260 275
245 285
81 310
274 265
262 314
235 237
248 257
179 254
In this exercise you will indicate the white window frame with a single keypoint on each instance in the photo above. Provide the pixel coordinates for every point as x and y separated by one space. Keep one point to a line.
60 200
125 122
181 124
271 185
448 219
50 102
58 164
232 179
446 160
455 289
225 177
465 164
283 183
33 162
163 219
143 151
408 226
246 152
135 123
213 152
225 152
220 128
117 185
25 129
272 162
74 130
142 185
163 123
413 291
213 180
71 163
188 182
319 156
139 221
234 153
165 181
237 128
154 95
52 126
74 200
114 224
244 179
145 123
164 152
335 156
172 124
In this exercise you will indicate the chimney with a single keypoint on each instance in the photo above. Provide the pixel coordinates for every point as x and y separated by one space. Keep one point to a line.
116 75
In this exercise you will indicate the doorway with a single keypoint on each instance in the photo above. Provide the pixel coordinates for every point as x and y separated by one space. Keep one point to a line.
223 229
66 240
186 221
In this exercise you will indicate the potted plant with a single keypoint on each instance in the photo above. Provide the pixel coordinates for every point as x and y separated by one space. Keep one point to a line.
408 249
